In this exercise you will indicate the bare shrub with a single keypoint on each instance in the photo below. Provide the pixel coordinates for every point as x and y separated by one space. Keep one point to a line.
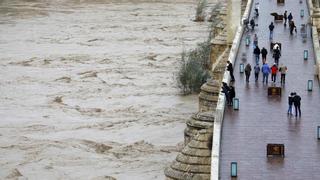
200 10
192 73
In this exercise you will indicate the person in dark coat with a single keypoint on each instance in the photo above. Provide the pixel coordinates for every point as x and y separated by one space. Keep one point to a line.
290 17
232 94
276 55
226 91
247 71
297 103
264 53
292 27
230 69
256 72
252 24
285 16
256 52
271 27
290 102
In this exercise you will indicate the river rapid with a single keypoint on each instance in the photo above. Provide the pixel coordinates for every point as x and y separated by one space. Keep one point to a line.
88 89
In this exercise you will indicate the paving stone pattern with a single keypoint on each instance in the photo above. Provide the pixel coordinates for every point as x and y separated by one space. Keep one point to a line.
262 119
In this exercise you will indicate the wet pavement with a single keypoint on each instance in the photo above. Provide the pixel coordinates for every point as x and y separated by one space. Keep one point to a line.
262 120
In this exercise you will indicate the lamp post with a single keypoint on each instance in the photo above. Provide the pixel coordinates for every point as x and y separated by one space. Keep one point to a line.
301 13
235 103
234 169
305 54
247 40
310 85
241 67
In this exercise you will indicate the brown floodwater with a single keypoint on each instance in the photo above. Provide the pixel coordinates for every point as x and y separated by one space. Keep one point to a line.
88 88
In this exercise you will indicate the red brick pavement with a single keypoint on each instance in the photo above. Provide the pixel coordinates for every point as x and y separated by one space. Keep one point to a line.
262 119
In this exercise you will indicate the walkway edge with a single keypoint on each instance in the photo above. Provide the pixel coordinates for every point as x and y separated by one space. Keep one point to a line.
315 40
219 113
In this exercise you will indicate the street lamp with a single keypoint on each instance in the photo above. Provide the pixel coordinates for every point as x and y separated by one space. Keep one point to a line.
247 40
234 169
241 67
301 13
305 54
235 103
310 85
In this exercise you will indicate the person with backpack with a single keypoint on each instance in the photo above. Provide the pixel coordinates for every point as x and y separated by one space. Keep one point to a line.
274 70
256 52
247 71
264 53
283 71
256 72
297 104
271 27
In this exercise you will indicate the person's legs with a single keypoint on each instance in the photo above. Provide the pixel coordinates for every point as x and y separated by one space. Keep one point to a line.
267 76
256 76
299 110
290 109
231 74
263 77
283 78
296 109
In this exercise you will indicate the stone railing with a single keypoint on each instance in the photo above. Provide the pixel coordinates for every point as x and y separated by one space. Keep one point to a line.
219 113
315 37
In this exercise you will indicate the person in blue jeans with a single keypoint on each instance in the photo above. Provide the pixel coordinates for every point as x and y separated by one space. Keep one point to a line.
257 52
265 71
290 103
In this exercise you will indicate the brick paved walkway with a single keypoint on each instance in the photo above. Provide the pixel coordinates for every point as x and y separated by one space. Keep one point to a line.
262 119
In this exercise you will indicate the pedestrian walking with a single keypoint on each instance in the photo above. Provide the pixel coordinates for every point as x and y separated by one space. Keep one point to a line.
292 27
283 71
285 16
290 102
297 104
247 71
276 55
232 94
230 69
252 24
274 70
264 53
290 17
265 71
226 91
255 41
256 72
271 27
256 52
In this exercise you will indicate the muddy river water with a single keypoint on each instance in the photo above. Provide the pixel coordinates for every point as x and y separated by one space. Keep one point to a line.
88 89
